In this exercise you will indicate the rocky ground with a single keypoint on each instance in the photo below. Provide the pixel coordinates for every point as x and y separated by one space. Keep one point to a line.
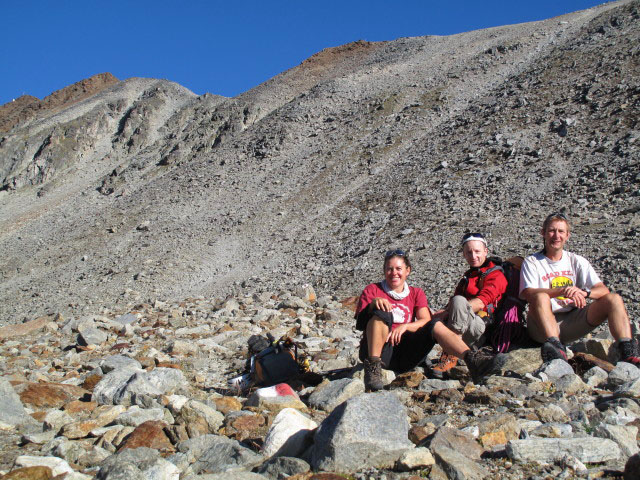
143 393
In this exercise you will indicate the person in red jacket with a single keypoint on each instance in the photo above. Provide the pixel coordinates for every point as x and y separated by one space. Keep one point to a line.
475 298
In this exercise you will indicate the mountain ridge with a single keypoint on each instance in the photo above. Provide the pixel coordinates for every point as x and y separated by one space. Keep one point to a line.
148 188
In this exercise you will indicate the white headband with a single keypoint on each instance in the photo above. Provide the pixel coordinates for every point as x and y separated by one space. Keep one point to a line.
469 239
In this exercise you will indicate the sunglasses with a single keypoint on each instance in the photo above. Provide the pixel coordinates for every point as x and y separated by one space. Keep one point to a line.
559 215
395 253
469 235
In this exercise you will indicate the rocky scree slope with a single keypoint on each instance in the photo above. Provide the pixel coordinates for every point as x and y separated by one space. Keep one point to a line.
148 191
143 393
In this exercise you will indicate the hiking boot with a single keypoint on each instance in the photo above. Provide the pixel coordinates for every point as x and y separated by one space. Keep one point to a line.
482 364
441 369
629 352
552 349
373 374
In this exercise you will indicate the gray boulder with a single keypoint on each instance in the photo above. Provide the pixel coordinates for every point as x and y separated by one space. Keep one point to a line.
119 362
370 430
137 464
109 389
216 454
623 373
118 386
328 396
549 450
456 465
12 411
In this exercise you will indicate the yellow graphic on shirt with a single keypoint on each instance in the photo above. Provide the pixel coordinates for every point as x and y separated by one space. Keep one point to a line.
561 282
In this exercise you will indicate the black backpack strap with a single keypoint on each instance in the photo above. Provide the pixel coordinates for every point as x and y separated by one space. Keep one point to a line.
491 308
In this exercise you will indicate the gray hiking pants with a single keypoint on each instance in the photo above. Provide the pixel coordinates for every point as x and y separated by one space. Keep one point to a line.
464 321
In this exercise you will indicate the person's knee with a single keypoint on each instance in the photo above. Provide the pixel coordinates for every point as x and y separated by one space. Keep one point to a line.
460 314
540 299
377 324
459 301
611 301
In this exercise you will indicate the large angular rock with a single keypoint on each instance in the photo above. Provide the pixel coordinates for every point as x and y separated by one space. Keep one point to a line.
623 373
631 389
431 384
571 384
159 381
21 329
523 361
356 435
329 395
505 422
91 335
119 362
111 386
215 454
137 464
554 370
279 467
290 434
456 465
458 441
149 434
135 416
200 418
549 450
12 411
49 395
57 465
119 385
623 435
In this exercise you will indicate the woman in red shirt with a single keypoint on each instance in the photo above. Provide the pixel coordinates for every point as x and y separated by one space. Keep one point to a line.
392 315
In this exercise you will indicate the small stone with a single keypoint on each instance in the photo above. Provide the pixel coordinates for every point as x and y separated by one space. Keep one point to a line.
415 459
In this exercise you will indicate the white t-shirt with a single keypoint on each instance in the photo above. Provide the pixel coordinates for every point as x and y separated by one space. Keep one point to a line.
539 271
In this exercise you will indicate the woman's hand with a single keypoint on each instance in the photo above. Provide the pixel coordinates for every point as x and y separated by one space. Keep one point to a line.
383 304
396 334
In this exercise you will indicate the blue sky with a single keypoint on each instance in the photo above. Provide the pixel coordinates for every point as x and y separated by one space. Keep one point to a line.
223 48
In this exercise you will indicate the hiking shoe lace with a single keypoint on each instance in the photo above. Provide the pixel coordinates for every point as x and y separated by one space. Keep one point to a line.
482 364
629 352
373 375
443 366
552 349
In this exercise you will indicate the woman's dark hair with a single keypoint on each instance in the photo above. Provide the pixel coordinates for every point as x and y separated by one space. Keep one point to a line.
396 253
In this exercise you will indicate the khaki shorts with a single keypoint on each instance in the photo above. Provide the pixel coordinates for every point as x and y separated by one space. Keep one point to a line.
573 326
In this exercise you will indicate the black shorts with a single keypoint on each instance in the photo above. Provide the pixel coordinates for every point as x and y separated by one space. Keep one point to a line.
411 350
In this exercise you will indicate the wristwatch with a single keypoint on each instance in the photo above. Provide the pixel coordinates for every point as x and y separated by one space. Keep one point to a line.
588 293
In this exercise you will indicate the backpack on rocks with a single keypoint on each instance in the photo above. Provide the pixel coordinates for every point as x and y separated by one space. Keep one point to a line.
278 362
507 326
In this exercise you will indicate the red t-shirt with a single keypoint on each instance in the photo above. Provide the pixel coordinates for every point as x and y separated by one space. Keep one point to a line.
493 286
404 311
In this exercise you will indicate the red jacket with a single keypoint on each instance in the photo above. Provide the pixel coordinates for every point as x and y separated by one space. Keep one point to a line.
492 286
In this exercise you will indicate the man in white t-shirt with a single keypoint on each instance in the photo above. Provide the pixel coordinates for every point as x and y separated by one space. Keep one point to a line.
558 286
